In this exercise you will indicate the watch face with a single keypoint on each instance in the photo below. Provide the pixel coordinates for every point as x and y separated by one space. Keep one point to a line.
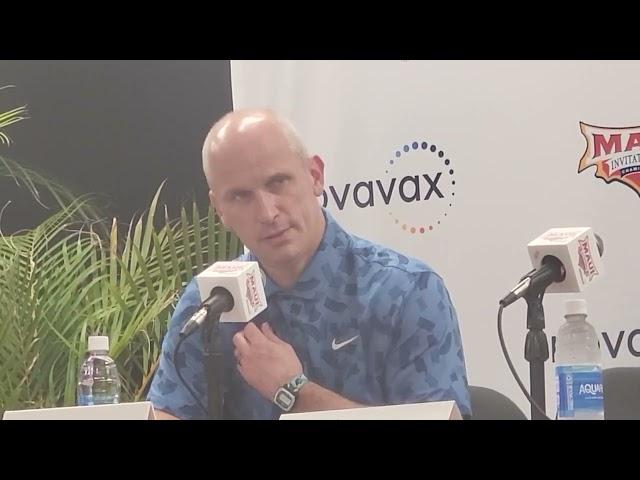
284 399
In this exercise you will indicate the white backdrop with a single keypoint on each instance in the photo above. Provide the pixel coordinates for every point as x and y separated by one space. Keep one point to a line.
508 134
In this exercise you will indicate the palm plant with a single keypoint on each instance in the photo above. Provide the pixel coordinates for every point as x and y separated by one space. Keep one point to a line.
75 275
62 281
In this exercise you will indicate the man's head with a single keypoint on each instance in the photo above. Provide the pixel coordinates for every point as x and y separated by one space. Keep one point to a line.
264 185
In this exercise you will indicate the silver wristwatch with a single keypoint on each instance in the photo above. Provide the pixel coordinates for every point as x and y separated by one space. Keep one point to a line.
286 396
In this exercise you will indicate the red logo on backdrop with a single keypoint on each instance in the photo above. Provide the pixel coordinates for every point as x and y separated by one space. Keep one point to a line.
615 152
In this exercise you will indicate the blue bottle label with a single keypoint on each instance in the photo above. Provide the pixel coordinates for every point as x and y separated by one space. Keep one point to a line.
579 389
84 400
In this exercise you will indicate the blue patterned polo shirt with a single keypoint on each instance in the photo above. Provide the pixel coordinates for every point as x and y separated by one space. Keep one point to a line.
366 322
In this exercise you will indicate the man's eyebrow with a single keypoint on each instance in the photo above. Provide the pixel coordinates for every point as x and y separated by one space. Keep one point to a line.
277 177
236 191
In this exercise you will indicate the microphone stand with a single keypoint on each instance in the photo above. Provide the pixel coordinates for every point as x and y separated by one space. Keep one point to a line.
213 363
536 350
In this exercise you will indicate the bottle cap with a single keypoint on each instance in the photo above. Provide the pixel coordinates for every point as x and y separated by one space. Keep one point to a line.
98 343
576 307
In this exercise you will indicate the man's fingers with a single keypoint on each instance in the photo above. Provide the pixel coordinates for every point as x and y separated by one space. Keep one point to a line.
253 334
240 342
271 335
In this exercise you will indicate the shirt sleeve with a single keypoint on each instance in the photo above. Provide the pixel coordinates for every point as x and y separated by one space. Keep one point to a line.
167 392
427 361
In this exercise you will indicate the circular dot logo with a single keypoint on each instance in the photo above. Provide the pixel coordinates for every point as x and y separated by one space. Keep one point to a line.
424 178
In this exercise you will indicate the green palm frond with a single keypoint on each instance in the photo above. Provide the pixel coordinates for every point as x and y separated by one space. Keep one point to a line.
43 277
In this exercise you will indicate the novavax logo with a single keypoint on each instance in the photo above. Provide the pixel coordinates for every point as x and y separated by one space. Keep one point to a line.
416 193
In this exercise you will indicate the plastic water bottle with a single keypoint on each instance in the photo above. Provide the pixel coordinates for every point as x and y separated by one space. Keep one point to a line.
579 387
99 381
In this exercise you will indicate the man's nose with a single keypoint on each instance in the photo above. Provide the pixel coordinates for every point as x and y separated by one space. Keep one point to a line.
267 207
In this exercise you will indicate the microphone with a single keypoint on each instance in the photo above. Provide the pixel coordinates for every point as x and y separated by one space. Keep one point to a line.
564 261
235 290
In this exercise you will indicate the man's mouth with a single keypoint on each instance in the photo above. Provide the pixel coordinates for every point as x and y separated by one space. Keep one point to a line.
276 235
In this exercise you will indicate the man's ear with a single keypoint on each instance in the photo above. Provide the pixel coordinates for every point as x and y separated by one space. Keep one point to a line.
212 199
316 167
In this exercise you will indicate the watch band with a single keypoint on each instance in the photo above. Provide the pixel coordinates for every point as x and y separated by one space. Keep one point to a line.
296 383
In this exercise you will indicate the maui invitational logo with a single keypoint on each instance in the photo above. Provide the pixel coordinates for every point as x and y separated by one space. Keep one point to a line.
587 266
615 152
252 297
415 194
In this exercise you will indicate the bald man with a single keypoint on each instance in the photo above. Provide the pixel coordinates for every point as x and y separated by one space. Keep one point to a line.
349 323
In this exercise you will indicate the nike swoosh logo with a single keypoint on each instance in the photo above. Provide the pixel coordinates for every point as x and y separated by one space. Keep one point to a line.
338 346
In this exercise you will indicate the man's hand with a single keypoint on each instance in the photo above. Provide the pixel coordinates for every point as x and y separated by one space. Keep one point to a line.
265 361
